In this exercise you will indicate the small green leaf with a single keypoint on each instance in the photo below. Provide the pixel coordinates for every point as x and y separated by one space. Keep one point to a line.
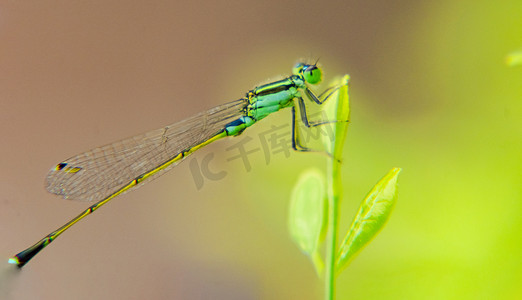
338 108
307 215
370 219
514 58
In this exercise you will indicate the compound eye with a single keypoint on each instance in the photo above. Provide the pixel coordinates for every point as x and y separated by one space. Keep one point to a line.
312 74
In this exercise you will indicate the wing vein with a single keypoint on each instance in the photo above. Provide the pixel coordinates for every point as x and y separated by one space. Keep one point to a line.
107 169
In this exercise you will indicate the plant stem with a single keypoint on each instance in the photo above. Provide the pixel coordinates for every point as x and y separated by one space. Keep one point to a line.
334 194
342 112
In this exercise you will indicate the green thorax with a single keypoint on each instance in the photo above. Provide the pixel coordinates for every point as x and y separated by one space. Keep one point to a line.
271 97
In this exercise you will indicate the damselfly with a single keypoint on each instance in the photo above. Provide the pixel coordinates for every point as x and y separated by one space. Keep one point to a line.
108 171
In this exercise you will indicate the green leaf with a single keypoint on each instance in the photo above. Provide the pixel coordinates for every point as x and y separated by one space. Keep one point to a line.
338 110
370 219
307 215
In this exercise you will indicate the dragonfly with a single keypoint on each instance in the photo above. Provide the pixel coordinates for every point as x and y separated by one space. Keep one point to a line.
105 172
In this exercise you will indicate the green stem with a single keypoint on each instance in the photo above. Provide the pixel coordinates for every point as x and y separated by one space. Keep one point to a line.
342 112
334 194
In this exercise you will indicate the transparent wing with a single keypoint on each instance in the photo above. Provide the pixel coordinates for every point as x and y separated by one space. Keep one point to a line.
98 173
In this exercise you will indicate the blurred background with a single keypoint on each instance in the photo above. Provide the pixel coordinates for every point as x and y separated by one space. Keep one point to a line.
430 93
